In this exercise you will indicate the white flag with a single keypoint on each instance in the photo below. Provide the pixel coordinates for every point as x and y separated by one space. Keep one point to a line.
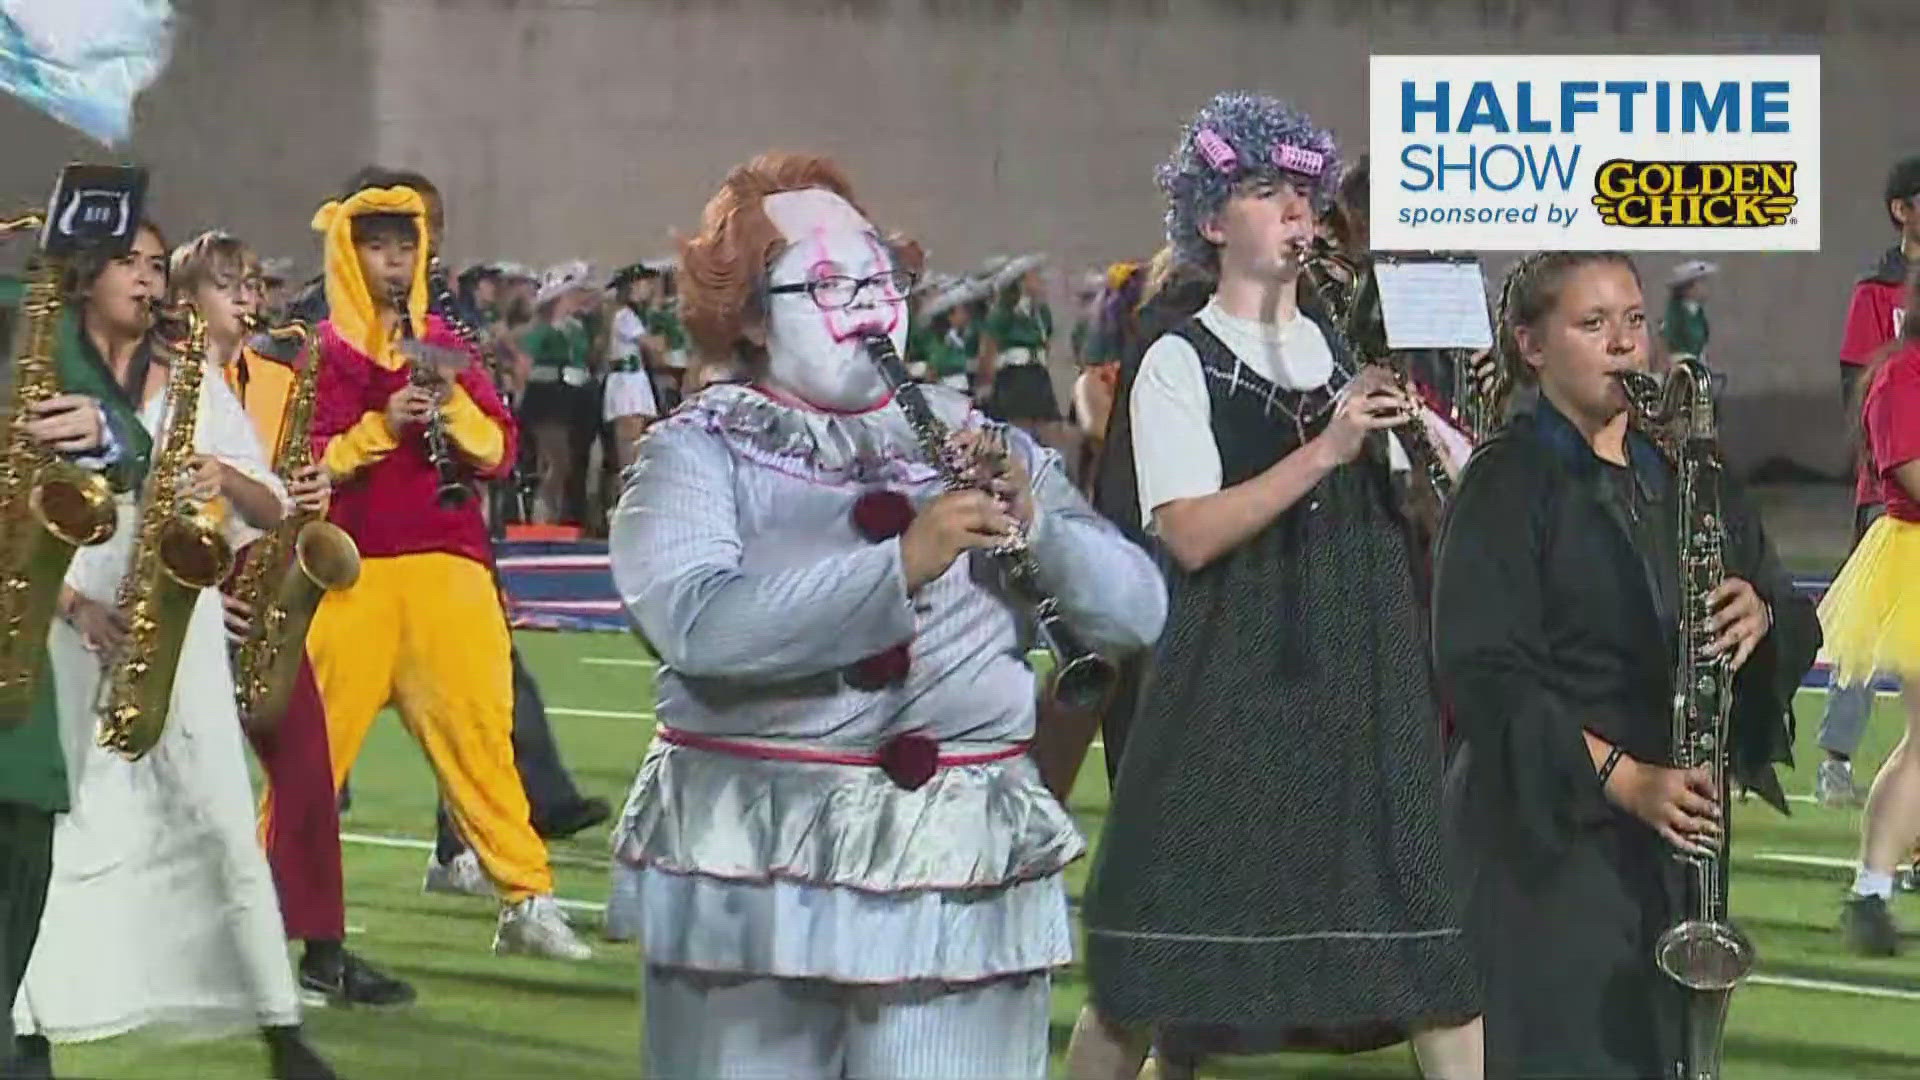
84 61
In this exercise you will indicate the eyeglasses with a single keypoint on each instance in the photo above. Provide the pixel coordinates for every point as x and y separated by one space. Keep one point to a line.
839 291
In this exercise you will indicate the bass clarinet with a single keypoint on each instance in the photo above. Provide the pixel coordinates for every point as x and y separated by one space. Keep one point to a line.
1703 952
1082 678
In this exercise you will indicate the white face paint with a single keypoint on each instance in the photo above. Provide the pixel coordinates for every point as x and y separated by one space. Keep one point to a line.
812 353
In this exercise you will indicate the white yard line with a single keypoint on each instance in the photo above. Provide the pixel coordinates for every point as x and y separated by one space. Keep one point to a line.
409 843
405 843
1793 858
620 661
1830 986
603 714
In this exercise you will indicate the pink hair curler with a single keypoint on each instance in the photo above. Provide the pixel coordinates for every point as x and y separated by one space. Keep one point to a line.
1215 150
1298 159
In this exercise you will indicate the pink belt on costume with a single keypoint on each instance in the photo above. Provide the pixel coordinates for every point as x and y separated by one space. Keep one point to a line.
909 760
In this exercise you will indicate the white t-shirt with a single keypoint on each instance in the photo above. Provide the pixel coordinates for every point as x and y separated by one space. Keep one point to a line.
1174 455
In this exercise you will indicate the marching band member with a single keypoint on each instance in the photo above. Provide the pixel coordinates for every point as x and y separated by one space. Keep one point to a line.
632 350
90 425
1014 345
846 862
1876 314
1870 627
300 818
162 908
1305 896
423 627
1555 626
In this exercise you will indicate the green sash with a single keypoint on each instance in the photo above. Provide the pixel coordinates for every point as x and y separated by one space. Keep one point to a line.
82 371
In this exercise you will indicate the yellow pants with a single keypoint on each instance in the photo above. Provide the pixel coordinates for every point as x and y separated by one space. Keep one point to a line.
426 633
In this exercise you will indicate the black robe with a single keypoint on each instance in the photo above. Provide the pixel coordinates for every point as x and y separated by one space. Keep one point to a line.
1554 611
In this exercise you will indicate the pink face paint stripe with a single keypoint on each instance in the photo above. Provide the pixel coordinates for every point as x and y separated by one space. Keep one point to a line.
844 326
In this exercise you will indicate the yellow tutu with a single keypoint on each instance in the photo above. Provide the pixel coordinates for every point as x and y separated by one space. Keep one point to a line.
1871 616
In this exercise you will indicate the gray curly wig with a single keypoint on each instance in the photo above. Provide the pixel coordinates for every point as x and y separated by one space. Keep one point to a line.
1234 138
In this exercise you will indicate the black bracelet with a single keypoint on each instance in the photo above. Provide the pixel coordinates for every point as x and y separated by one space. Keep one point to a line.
1613 759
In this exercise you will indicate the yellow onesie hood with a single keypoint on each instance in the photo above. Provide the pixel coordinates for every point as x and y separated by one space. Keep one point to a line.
349 302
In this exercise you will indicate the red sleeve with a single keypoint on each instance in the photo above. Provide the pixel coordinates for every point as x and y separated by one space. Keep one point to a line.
1869 325
339 394
478 384
1893 415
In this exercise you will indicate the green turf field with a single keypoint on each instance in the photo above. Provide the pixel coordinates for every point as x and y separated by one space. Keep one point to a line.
1814 1014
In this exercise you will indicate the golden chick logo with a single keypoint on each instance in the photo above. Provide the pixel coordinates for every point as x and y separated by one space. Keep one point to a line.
1695 194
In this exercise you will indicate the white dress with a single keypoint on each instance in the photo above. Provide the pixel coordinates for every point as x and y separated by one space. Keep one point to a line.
162 909
628 393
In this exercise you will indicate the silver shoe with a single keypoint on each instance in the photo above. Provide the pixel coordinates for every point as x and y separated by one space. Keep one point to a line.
460 877
537 927
1833 786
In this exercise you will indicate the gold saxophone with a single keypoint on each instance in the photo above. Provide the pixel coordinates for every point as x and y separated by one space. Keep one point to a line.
48 506
289 569
179 552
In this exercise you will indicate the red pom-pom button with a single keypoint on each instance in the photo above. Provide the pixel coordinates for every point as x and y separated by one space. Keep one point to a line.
880 670
910 760
882 515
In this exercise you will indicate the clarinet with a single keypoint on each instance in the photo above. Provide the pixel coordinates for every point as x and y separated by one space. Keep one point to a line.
452 491
1082 678
513 497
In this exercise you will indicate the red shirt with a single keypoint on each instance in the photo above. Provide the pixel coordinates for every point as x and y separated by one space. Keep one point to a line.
1874 316
1873 319
388 507
1893 430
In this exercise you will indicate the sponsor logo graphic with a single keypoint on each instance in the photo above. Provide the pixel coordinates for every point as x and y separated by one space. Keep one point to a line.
1649 153
1694 194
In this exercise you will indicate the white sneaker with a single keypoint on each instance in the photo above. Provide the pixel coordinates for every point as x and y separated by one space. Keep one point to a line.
461 877
537 927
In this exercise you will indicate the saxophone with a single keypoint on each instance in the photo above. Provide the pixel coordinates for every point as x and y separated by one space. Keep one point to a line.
1703 952
179 552
290 568
48 506
1082 678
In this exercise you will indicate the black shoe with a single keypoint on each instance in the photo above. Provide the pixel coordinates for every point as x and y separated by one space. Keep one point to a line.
576 817
290 1058
345 980
1869 926
346 795
32 1059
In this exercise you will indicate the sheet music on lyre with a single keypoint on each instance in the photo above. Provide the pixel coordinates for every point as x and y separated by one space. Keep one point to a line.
1433 302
